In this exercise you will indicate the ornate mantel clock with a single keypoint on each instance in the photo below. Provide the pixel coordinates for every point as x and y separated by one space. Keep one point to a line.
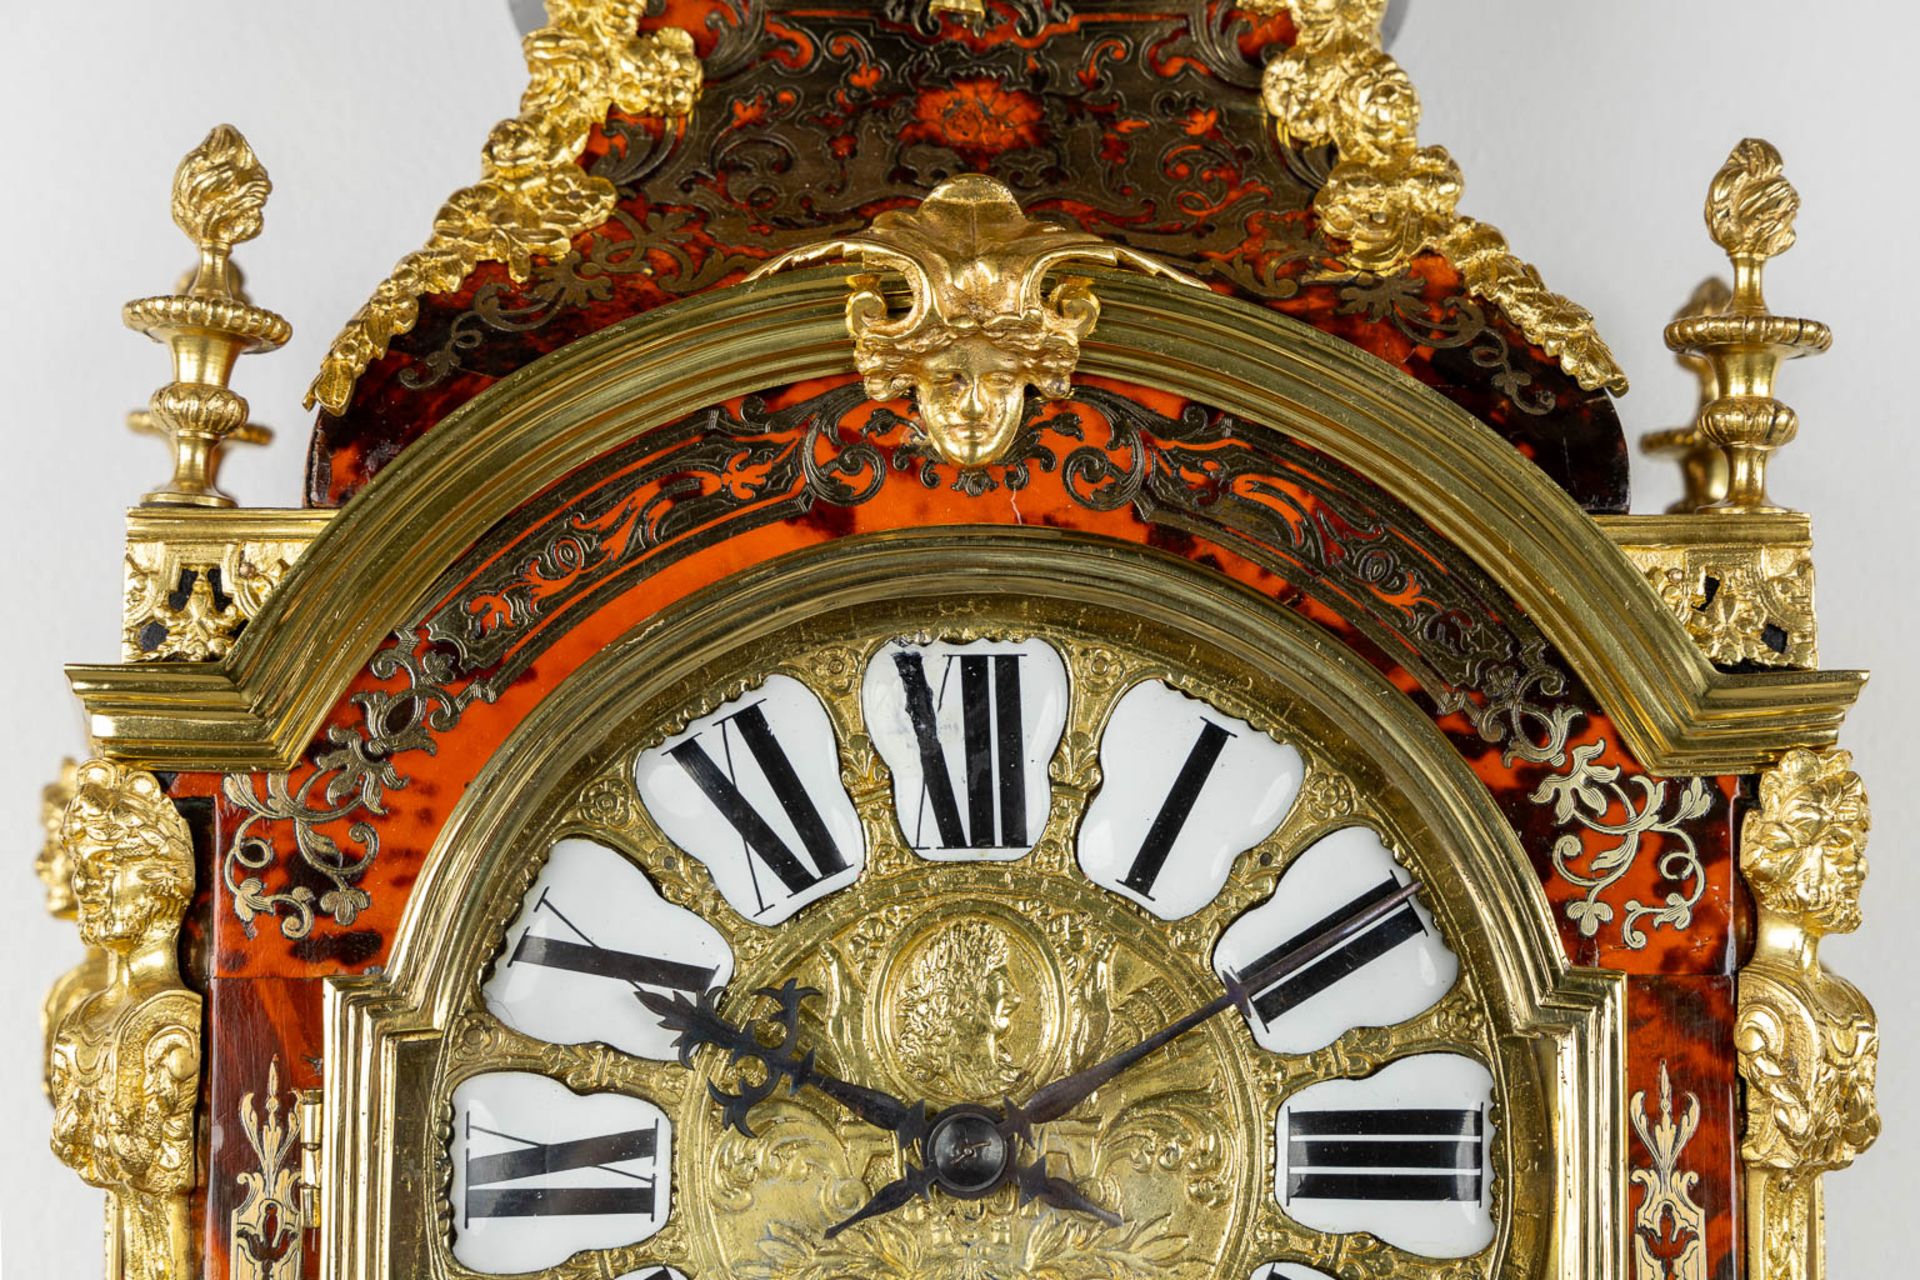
963 639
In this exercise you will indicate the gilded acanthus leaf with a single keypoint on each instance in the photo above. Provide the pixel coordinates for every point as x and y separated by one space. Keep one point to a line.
1389 198
1751 205
532 197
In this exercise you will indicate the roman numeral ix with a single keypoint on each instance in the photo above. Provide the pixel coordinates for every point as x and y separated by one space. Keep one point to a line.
486 1199
1393 1154
760 837
994 745
588 957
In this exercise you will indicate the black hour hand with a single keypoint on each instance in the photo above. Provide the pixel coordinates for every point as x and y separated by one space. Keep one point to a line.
698 1023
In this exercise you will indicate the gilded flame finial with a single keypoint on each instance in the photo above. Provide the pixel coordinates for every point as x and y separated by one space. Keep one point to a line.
1750 211
980 327
219 191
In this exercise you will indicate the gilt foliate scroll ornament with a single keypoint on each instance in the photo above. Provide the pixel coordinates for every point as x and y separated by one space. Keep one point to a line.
1742 588
981 326
1808 1042
533 197
219 192
1669 1228
193 580
125 1062
1750 212
266 1233
1390 198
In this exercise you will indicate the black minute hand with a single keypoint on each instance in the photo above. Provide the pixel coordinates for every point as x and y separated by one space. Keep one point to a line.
1063 1095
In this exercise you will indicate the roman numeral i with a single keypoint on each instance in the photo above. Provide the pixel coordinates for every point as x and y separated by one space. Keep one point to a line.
1176 808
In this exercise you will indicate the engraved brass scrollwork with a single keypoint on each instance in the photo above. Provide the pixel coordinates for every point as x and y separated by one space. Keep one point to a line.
1808 1041
125 1062
1670 1228
980 327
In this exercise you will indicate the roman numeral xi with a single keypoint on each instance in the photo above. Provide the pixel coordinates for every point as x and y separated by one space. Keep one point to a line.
758 834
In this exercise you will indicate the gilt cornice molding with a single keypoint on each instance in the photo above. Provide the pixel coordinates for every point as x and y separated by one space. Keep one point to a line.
368 571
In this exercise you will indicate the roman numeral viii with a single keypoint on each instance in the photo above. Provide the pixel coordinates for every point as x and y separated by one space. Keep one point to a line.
1401 1154
993 744
762 841
486 1198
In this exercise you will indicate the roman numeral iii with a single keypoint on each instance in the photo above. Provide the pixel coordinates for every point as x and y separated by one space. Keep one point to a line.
1405 1153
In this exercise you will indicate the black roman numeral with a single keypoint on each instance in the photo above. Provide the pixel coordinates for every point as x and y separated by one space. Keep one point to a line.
760 837
487 1199
994 744
1392 1154
587 956
1352 955
1175 809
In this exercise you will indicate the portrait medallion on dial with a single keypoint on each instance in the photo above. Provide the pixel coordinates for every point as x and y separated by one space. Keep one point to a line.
996 949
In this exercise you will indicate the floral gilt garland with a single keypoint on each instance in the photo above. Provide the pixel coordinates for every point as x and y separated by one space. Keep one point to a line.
1389 197
532 197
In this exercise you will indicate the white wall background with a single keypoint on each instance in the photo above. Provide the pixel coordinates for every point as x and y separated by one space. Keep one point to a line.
1587 133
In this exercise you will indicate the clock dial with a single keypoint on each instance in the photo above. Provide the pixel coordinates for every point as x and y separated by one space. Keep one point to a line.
1403 1154
1185 789
920 959
967 730
541 1172
1383 975
591 931
753 790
